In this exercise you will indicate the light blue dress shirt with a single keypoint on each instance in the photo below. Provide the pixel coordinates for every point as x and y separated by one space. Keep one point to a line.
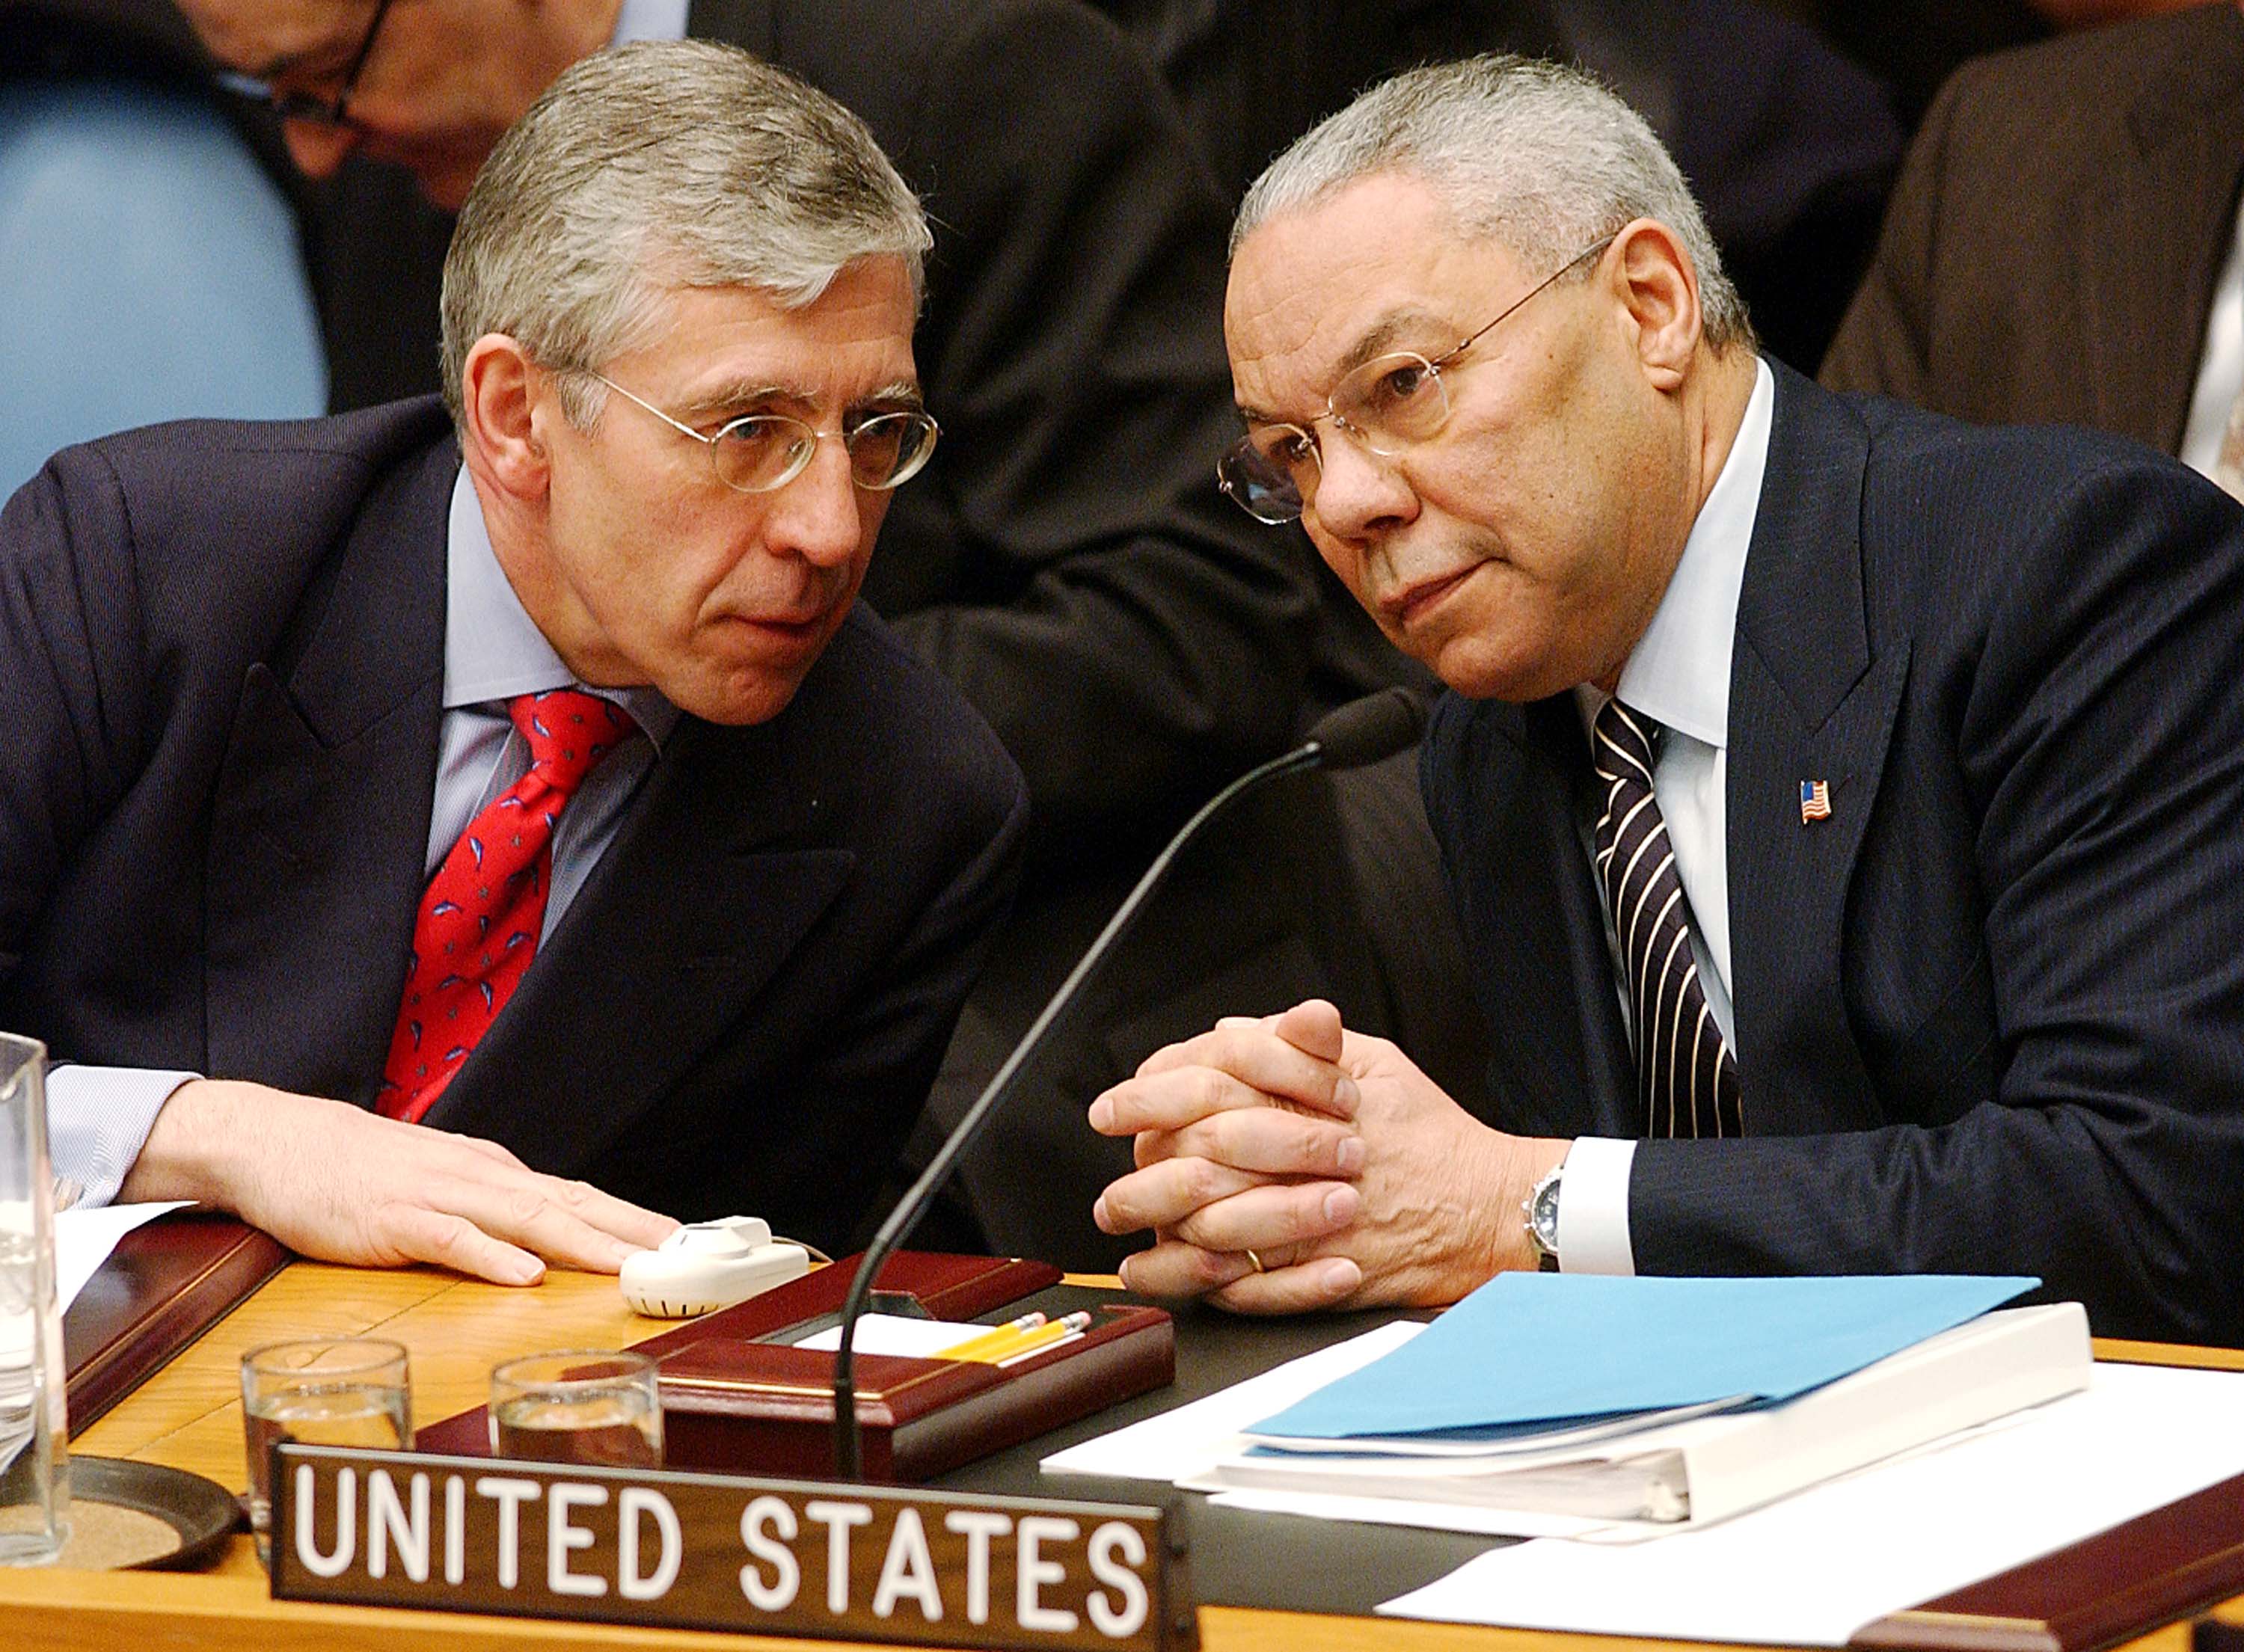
99 1117
650 20
1679 675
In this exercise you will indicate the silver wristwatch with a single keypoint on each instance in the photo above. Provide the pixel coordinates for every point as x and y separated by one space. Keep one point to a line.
1540 1212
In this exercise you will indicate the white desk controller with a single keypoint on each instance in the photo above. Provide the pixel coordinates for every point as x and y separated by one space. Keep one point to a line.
708 1265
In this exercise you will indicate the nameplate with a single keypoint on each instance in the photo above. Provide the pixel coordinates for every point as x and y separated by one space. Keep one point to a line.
671 1550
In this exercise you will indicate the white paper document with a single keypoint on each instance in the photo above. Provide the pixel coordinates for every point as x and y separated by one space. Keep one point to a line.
84 1239
1393 1511
1815 1568
891 1333
1186 1441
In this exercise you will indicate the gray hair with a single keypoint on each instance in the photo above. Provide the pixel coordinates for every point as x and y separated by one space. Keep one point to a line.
1537 156
661 165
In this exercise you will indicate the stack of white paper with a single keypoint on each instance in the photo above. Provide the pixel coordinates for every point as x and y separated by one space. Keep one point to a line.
1666 1470
83 1239
1178 1444
1815 1568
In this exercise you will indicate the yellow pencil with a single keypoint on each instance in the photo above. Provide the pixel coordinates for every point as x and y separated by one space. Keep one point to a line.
1041 1345
996 1336
995 1350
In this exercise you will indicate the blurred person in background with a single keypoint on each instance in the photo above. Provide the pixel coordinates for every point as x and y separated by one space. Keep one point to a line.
151 264
2064 246
1791 146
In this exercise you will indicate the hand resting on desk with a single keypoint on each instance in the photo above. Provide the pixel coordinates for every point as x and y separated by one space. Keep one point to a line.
1347 1171
338 1183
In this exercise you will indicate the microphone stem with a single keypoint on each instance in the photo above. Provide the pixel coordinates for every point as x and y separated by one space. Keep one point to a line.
847 1444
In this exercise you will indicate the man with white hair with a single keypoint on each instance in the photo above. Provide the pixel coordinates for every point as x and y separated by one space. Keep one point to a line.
409 818
1839 802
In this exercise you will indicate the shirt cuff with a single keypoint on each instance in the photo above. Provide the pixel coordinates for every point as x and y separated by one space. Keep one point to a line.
98 1119
1594 1207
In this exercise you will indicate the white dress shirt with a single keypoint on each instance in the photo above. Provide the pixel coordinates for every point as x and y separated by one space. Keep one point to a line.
1679 676
100 1117
2220 369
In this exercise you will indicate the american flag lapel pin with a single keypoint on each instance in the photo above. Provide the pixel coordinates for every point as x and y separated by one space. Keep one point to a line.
1814 801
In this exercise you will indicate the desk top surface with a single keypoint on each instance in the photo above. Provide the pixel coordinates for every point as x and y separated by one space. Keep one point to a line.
189 1416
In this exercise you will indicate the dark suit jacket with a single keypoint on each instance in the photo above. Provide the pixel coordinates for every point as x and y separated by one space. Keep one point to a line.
221 657
1990 1014
2051 250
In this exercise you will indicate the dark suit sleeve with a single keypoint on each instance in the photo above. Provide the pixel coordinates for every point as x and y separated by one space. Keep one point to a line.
1133 638
1883 344
71 680
2074 711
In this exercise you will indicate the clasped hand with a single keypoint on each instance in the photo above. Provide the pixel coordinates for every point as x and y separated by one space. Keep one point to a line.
1350 1176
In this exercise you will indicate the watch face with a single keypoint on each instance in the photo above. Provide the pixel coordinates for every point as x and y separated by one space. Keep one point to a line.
1543 1218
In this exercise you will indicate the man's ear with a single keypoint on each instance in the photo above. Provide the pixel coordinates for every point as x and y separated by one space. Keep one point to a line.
1659 290
506 401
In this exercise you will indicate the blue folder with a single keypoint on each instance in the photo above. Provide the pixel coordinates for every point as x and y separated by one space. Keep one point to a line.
1531 1350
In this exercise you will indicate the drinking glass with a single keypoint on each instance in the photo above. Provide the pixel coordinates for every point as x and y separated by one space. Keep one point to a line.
350 1391
34 1428
578 1406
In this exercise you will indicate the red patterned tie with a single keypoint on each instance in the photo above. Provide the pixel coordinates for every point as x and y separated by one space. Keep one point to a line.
485 907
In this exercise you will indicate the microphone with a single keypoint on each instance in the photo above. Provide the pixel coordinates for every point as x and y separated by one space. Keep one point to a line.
1369 729
1362 731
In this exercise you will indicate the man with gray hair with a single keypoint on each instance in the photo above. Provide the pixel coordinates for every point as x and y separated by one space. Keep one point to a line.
1839 802
438 838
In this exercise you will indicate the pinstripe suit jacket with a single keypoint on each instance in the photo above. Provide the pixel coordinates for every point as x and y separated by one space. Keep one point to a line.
1990 1014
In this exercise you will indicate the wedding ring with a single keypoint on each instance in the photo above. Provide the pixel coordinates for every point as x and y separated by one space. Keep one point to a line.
1257 1261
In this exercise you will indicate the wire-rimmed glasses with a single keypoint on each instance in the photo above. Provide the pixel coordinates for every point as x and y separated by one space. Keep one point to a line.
310 106
761 452
1386 403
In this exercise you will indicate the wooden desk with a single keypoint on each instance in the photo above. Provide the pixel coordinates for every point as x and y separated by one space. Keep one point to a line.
190 1417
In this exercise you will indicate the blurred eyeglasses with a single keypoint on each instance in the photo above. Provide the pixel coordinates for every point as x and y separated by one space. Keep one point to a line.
304 106
1387 403
761 452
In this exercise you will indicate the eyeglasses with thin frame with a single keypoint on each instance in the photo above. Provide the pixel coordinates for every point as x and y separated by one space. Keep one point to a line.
309 106
762 452
1387 404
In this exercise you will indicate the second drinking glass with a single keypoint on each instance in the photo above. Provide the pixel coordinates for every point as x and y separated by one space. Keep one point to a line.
580 1405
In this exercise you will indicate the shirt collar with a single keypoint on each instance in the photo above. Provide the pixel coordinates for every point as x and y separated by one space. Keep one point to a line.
1678 672
650 20
493 650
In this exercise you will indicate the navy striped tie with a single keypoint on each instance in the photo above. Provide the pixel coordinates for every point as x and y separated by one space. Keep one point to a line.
1687 1082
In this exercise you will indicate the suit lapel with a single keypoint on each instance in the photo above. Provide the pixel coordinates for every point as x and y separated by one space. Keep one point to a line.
319 818
690 913
1549 999
1809 700
2156 234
